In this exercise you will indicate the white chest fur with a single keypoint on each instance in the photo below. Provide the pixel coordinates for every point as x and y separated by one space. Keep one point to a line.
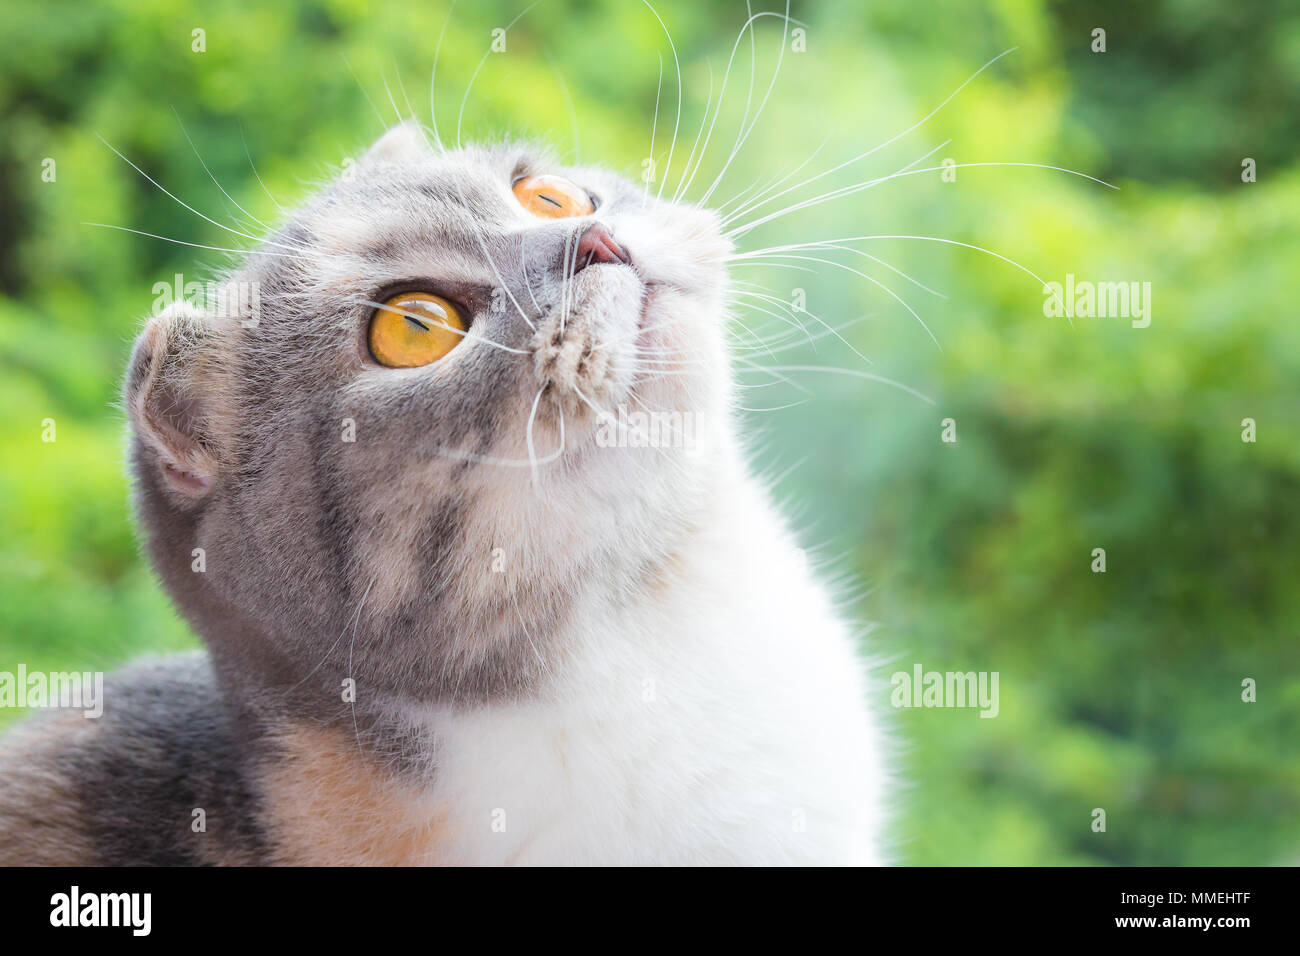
721 719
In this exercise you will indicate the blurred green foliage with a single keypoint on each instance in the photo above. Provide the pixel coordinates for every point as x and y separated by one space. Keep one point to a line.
1119 690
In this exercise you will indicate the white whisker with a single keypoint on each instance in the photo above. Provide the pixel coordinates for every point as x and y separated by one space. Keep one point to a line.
378 115
433 75
858 373
677 122
952 242
863 186
744 135
199 245
919 123
211 176
170 195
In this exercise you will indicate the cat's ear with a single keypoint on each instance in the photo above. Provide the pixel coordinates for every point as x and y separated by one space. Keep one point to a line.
172 398
403 143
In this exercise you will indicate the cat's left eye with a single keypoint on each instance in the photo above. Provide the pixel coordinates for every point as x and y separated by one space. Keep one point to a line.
553 197
414 329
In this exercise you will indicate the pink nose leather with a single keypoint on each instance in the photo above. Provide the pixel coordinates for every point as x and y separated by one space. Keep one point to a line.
597 246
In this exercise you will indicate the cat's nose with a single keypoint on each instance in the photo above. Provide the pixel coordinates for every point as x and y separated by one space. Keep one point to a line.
596 246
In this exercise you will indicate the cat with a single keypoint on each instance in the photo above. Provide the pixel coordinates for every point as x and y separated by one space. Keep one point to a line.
445 624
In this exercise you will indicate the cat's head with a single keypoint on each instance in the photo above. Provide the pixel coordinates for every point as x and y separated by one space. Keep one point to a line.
452 392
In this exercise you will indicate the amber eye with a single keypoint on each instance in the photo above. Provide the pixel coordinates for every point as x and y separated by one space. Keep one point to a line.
414 329
553 197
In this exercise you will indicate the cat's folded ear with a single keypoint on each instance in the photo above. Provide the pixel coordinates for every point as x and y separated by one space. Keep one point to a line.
173 397
403 143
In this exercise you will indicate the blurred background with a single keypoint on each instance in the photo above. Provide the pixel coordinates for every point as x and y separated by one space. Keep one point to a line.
1119 690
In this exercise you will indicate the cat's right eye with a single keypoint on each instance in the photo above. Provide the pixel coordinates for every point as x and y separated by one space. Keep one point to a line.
553 197
414 329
